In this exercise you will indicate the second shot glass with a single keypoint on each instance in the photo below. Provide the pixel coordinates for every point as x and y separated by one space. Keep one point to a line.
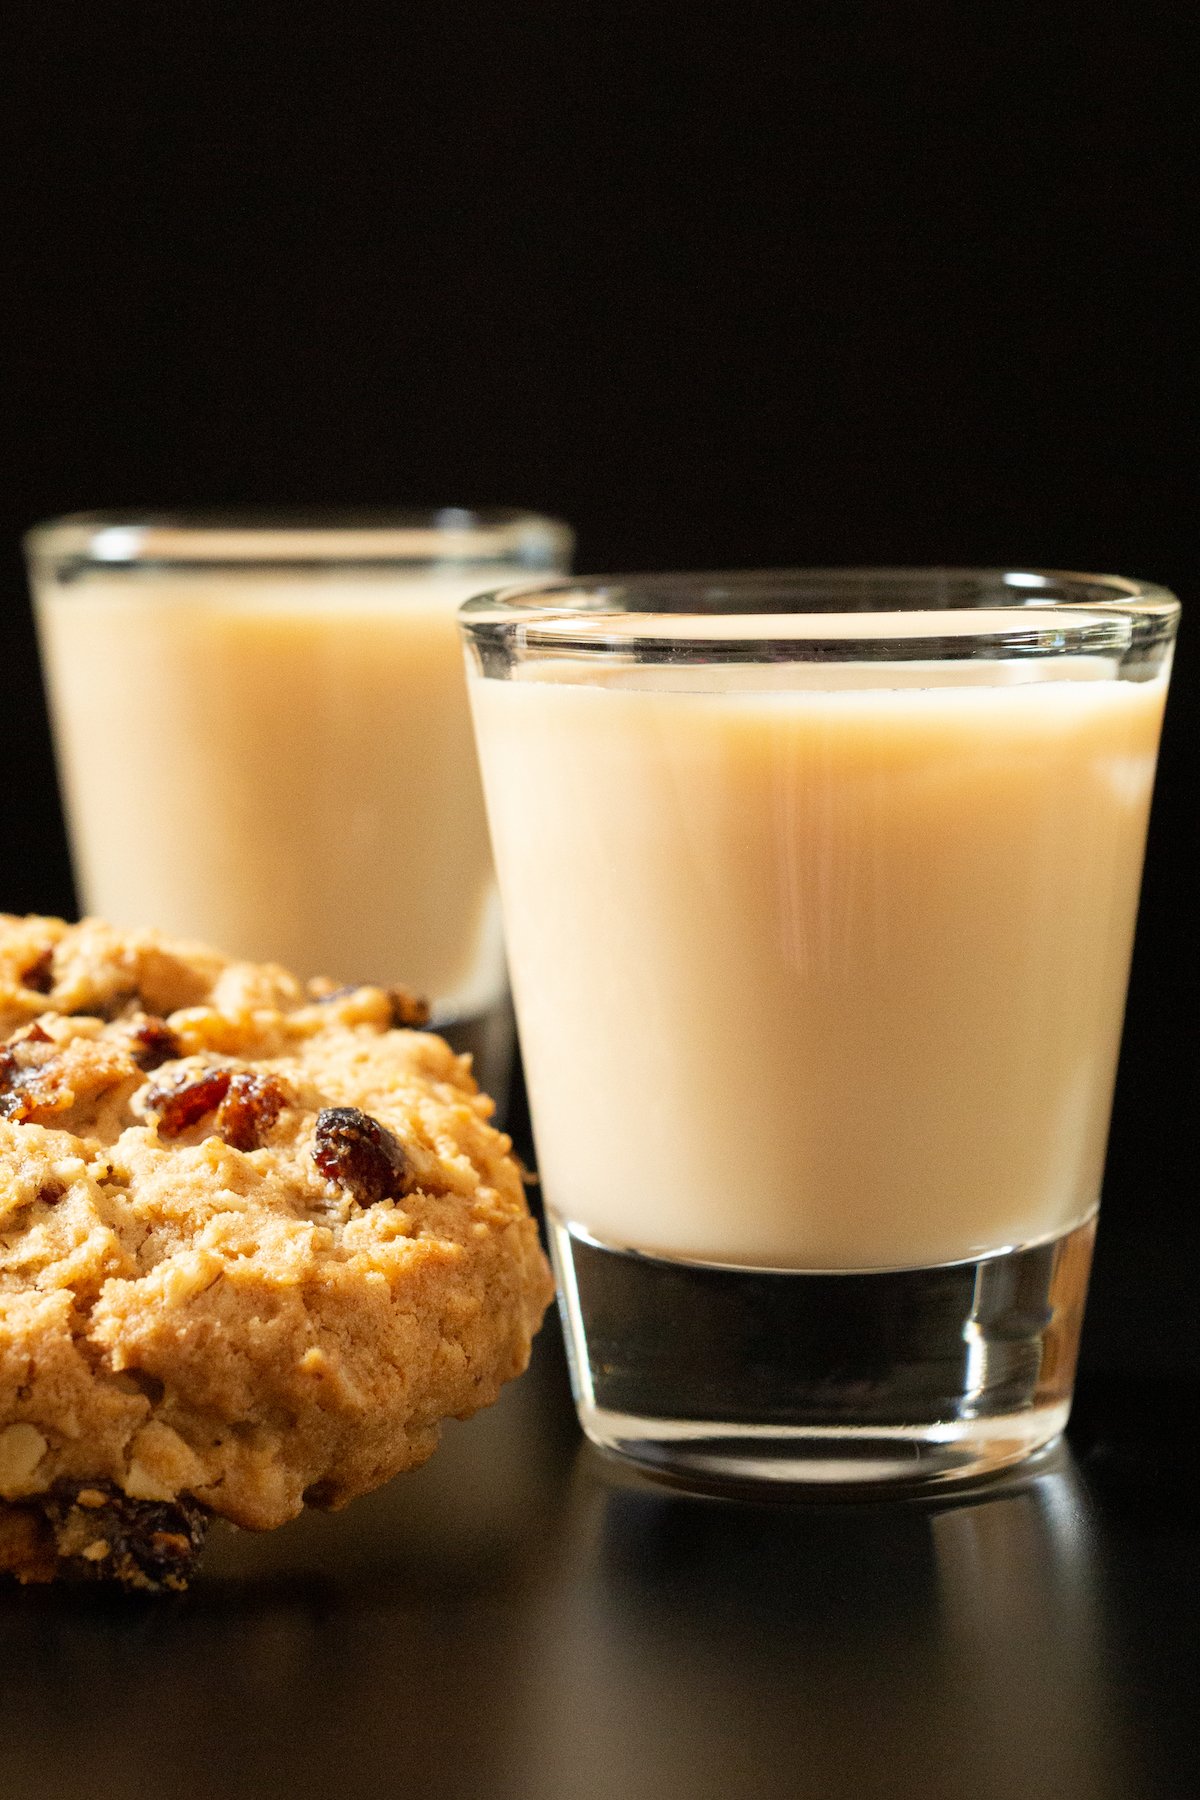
263 739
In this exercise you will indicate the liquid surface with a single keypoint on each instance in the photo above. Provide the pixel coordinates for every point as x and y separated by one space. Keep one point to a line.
821 977
280 766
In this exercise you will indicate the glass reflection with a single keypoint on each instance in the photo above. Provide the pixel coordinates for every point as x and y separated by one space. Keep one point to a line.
937 1649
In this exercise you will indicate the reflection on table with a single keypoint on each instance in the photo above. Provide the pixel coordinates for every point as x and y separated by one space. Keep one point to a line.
523 1619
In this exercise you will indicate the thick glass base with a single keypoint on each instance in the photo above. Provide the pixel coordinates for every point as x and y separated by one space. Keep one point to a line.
718 1375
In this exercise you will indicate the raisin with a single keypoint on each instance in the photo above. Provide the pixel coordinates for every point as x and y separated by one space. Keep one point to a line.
186 1103
11 1098
21 1053
251 1106
154 1043
409 1011
360 1154
151 1545
39 976
25 1083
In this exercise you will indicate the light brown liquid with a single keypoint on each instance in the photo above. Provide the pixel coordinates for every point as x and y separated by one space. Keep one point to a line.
824 977
281 765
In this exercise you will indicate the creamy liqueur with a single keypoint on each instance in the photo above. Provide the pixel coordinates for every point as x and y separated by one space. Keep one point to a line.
281 765
820 968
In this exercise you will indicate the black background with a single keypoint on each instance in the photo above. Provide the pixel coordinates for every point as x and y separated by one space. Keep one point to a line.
724 287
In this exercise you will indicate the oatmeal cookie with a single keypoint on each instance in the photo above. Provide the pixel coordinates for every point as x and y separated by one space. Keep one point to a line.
257 1240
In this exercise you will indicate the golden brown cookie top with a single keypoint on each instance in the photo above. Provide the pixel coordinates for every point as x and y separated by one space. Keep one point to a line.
256 1241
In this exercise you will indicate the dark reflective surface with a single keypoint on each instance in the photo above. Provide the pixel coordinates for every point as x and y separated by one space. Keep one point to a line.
523 1618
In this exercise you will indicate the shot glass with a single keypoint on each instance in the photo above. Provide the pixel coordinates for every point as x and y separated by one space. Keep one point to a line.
819 890
263 739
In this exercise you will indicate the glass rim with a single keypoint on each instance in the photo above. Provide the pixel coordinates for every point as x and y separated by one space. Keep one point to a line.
772 612
248 537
